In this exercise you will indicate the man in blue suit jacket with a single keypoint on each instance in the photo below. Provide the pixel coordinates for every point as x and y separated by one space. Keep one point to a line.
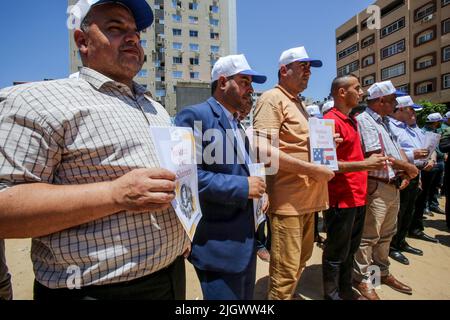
223 249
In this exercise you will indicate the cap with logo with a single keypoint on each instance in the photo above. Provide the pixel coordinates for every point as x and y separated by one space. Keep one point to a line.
314 111
435 117
298 54
141 10
406 101
235 64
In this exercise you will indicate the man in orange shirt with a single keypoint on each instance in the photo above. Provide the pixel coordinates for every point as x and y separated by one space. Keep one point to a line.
299 188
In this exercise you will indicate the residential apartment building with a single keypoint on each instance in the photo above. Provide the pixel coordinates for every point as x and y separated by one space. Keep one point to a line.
185 40
412 48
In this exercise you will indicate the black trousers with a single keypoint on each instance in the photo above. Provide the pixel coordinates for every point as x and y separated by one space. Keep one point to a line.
428 179
447 192
166 284
344 232
408 198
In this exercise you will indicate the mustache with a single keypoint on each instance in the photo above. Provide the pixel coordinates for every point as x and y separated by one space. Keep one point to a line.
130 48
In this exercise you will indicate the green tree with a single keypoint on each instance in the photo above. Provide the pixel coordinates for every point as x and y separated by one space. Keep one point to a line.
429 108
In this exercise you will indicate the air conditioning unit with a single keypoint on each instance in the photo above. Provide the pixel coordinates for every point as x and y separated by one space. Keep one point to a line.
428 18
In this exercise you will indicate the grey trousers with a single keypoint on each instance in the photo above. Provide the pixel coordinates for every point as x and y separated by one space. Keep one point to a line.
5 277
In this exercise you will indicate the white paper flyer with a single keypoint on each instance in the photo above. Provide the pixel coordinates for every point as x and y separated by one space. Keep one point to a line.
322 146
431 142
175 148
258 170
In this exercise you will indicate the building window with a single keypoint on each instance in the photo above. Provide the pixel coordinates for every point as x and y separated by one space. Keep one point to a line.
445 2
346 52
446 54
214 9
193 33
368 61
195 75
446 26
144 43
215 49
404 88
177 74
393 71
368 41
143 73
425 36
393 49
368 80
446 81
177 46
193 20
393 27
364 25
176 18
214 22
214 35
347 35
194 61
349 68
425 11
392 7
193 6
194 47
425 62
425 87
176 32
177 60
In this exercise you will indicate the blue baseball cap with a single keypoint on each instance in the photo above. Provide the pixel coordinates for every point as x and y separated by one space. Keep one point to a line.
141 10
298 54
399 93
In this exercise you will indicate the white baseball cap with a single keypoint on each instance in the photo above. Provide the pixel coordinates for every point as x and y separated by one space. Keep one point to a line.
297 54
327 106
314 110
235 64
447 115
381 89
141 10
406 101
435 117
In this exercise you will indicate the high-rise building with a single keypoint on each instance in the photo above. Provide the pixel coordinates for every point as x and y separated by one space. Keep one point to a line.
185 40
409 45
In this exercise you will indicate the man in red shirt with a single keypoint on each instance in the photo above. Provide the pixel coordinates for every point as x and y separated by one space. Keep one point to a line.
347 192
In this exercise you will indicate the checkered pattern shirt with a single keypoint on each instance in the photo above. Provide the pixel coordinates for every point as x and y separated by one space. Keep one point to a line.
371 127
80 131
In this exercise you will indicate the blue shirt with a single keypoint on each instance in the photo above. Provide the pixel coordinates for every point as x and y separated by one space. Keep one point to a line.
408 138
238 136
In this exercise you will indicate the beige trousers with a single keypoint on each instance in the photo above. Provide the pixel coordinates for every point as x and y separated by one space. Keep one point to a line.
379 228
292 246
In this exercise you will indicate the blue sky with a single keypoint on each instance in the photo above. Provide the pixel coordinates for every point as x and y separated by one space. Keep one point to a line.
35 38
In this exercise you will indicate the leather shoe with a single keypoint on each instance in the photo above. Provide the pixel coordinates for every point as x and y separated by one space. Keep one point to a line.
407 248
366 290
437 210
422 236
351 295
399 257
395 284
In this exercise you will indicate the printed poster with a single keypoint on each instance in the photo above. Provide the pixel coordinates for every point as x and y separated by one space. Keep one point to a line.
322 146
175 148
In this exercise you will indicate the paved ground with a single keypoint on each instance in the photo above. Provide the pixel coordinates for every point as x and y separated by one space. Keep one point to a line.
429 275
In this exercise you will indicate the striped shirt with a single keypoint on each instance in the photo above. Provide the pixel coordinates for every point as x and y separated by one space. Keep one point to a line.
372 127
80 131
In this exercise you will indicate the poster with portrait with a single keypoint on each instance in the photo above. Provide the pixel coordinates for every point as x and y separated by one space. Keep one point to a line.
258 170
431 142
322 146
175 148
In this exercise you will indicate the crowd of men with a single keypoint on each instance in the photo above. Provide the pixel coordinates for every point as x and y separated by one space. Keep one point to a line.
80 176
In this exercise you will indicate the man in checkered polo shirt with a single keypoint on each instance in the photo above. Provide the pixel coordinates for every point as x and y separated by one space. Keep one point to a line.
79 174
